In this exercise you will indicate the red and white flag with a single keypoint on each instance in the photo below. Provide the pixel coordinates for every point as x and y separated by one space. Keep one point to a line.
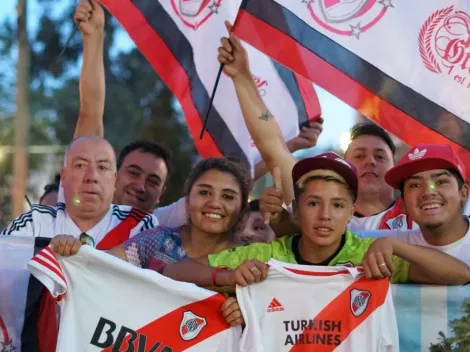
180 39
403 64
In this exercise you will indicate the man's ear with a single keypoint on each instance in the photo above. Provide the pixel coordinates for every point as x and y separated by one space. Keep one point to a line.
353 210
164 188
464 194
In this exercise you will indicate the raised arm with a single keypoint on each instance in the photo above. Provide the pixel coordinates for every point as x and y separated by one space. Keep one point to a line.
90 17
263 128
307 138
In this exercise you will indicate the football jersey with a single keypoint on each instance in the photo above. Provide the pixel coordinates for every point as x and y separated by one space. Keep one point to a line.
119 224
107 304
393 218
315 308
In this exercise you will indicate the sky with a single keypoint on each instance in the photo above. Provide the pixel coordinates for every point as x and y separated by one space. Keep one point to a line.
338 117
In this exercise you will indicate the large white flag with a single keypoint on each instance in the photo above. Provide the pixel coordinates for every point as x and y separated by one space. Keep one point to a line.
180 39
404 64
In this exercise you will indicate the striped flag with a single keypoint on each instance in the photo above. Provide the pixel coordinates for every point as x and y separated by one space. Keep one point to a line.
180 39
403 64
424 313
27 314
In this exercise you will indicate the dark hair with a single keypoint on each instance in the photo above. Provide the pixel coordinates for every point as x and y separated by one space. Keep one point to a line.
157 149
453 172
254 205
299 190
371 129
51 187
230 165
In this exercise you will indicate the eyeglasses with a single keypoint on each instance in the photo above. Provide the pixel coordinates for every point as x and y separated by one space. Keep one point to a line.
87 239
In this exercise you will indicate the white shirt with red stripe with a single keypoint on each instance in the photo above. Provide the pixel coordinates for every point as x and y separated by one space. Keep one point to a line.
316 308
107 302
393 218
120 223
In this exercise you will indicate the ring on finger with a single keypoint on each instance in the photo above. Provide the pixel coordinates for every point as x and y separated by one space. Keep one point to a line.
383 264
254 268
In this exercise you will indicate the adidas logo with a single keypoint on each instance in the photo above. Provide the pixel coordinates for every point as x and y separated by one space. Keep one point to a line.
275 306
417 154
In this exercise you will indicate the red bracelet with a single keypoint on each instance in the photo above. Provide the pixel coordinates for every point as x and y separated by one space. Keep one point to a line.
214 273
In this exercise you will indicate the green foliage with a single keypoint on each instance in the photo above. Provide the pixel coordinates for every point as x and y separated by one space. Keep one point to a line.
138 104
461 331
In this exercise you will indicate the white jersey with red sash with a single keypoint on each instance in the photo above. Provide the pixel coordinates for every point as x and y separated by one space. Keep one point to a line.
110 305
316 308
393 218
119 224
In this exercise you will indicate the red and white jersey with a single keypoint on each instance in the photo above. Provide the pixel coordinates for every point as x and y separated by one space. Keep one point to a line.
119 224
316 308
107 303
393 218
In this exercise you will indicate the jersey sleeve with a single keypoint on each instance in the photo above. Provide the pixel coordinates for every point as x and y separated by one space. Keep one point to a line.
148 222
22 225
173 215
233 257
46 268
402 271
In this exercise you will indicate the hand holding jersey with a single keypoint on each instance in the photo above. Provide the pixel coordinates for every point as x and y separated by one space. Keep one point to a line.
65 245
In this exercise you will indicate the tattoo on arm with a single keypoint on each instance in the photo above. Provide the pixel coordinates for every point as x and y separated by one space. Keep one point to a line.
266 116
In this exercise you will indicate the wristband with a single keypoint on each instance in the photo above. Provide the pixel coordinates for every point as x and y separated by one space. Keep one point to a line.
214 273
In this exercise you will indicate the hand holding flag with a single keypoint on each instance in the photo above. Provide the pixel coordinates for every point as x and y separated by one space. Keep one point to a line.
233 55
89 17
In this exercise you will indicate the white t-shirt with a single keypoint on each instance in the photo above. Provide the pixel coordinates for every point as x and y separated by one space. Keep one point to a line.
324 308
103 299
459 249
119 224
173 215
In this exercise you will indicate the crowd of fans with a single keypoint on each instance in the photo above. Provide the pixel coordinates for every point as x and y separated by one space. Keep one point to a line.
320 210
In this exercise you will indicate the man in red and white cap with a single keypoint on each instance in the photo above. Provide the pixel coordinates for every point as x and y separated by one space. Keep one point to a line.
431 178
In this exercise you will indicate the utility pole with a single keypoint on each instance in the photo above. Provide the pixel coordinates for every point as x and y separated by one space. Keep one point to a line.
20 159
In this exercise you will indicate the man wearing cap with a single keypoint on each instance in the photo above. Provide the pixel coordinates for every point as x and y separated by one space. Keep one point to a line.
325 190
431 178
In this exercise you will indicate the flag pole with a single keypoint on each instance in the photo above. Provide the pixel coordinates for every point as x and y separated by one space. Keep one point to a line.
221 68
74 30
206 118
27 199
